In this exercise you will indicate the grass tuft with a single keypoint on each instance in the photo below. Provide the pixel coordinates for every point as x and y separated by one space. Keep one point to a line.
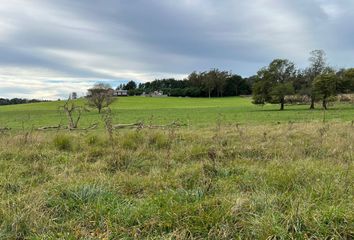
63 142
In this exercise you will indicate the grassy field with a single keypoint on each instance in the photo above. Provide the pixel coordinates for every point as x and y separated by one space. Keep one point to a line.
199 112
238 171
286 181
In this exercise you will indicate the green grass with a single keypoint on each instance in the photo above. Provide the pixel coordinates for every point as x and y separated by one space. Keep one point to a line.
286 181
199 112
232 174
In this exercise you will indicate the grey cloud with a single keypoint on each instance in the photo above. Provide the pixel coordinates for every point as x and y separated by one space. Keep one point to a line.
121 40
26 58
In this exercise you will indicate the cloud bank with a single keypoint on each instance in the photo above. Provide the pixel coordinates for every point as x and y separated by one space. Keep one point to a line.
50 48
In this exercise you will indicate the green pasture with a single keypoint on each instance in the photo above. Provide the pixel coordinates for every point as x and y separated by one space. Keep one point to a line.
198 112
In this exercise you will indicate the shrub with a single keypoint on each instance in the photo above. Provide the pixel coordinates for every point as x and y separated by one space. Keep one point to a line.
346 97
297 99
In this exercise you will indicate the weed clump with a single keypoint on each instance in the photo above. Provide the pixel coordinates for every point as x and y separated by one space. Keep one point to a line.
159 140
132 140
63 142
94 153
118 161
92 140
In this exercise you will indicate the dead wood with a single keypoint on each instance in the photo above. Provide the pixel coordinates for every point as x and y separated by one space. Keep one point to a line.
141 125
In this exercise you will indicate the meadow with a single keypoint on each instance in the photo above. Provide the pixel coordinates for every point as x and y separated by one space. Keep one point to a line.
237 171
196 112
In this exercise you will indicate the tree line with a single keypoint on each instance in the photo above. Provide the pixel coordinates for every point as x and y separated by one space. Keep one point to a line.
272 84
5 101
213 83
317 82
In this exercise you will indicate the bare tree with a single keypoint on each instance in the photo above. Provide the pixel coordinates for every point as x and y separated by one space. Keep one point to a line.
100 96
73 113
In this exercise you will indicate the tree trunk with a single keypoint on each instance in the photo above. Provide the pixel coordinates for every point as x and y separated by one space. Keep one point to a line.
70 119
324 103
312 103
209 92
282 104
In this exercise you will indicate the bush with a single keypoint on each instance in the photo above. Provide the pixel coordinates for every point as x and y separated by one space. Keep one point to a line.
346 97
297 99
63 143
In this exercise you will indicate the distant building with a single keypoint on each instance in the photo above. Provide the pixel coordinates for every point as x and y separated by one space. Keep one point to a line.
154 94
120 92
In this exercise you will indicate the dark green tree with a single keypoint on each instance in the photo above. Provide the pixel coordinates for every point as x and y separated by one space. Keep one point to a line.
195 80
274 83
325 86
131 85
349 80
318 65
345 81
220 81
236 85
209 82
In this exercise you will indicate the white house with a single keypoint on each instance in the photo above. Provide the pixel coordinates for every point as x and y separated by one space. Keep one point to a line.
120 92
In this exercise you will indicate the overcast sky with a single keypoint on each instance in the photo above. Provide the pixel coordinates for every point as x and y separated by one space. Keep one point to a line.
49 48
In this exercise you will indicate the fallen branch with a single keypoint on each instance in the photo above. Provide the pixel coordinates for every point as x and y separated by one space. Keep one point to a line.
173 124
93 126
141 125
138 125
128 125
49 127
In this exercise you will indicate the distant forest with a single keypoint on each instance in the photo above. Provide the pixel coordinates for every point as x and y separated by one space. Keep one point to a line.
4 101
274 83
213 83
